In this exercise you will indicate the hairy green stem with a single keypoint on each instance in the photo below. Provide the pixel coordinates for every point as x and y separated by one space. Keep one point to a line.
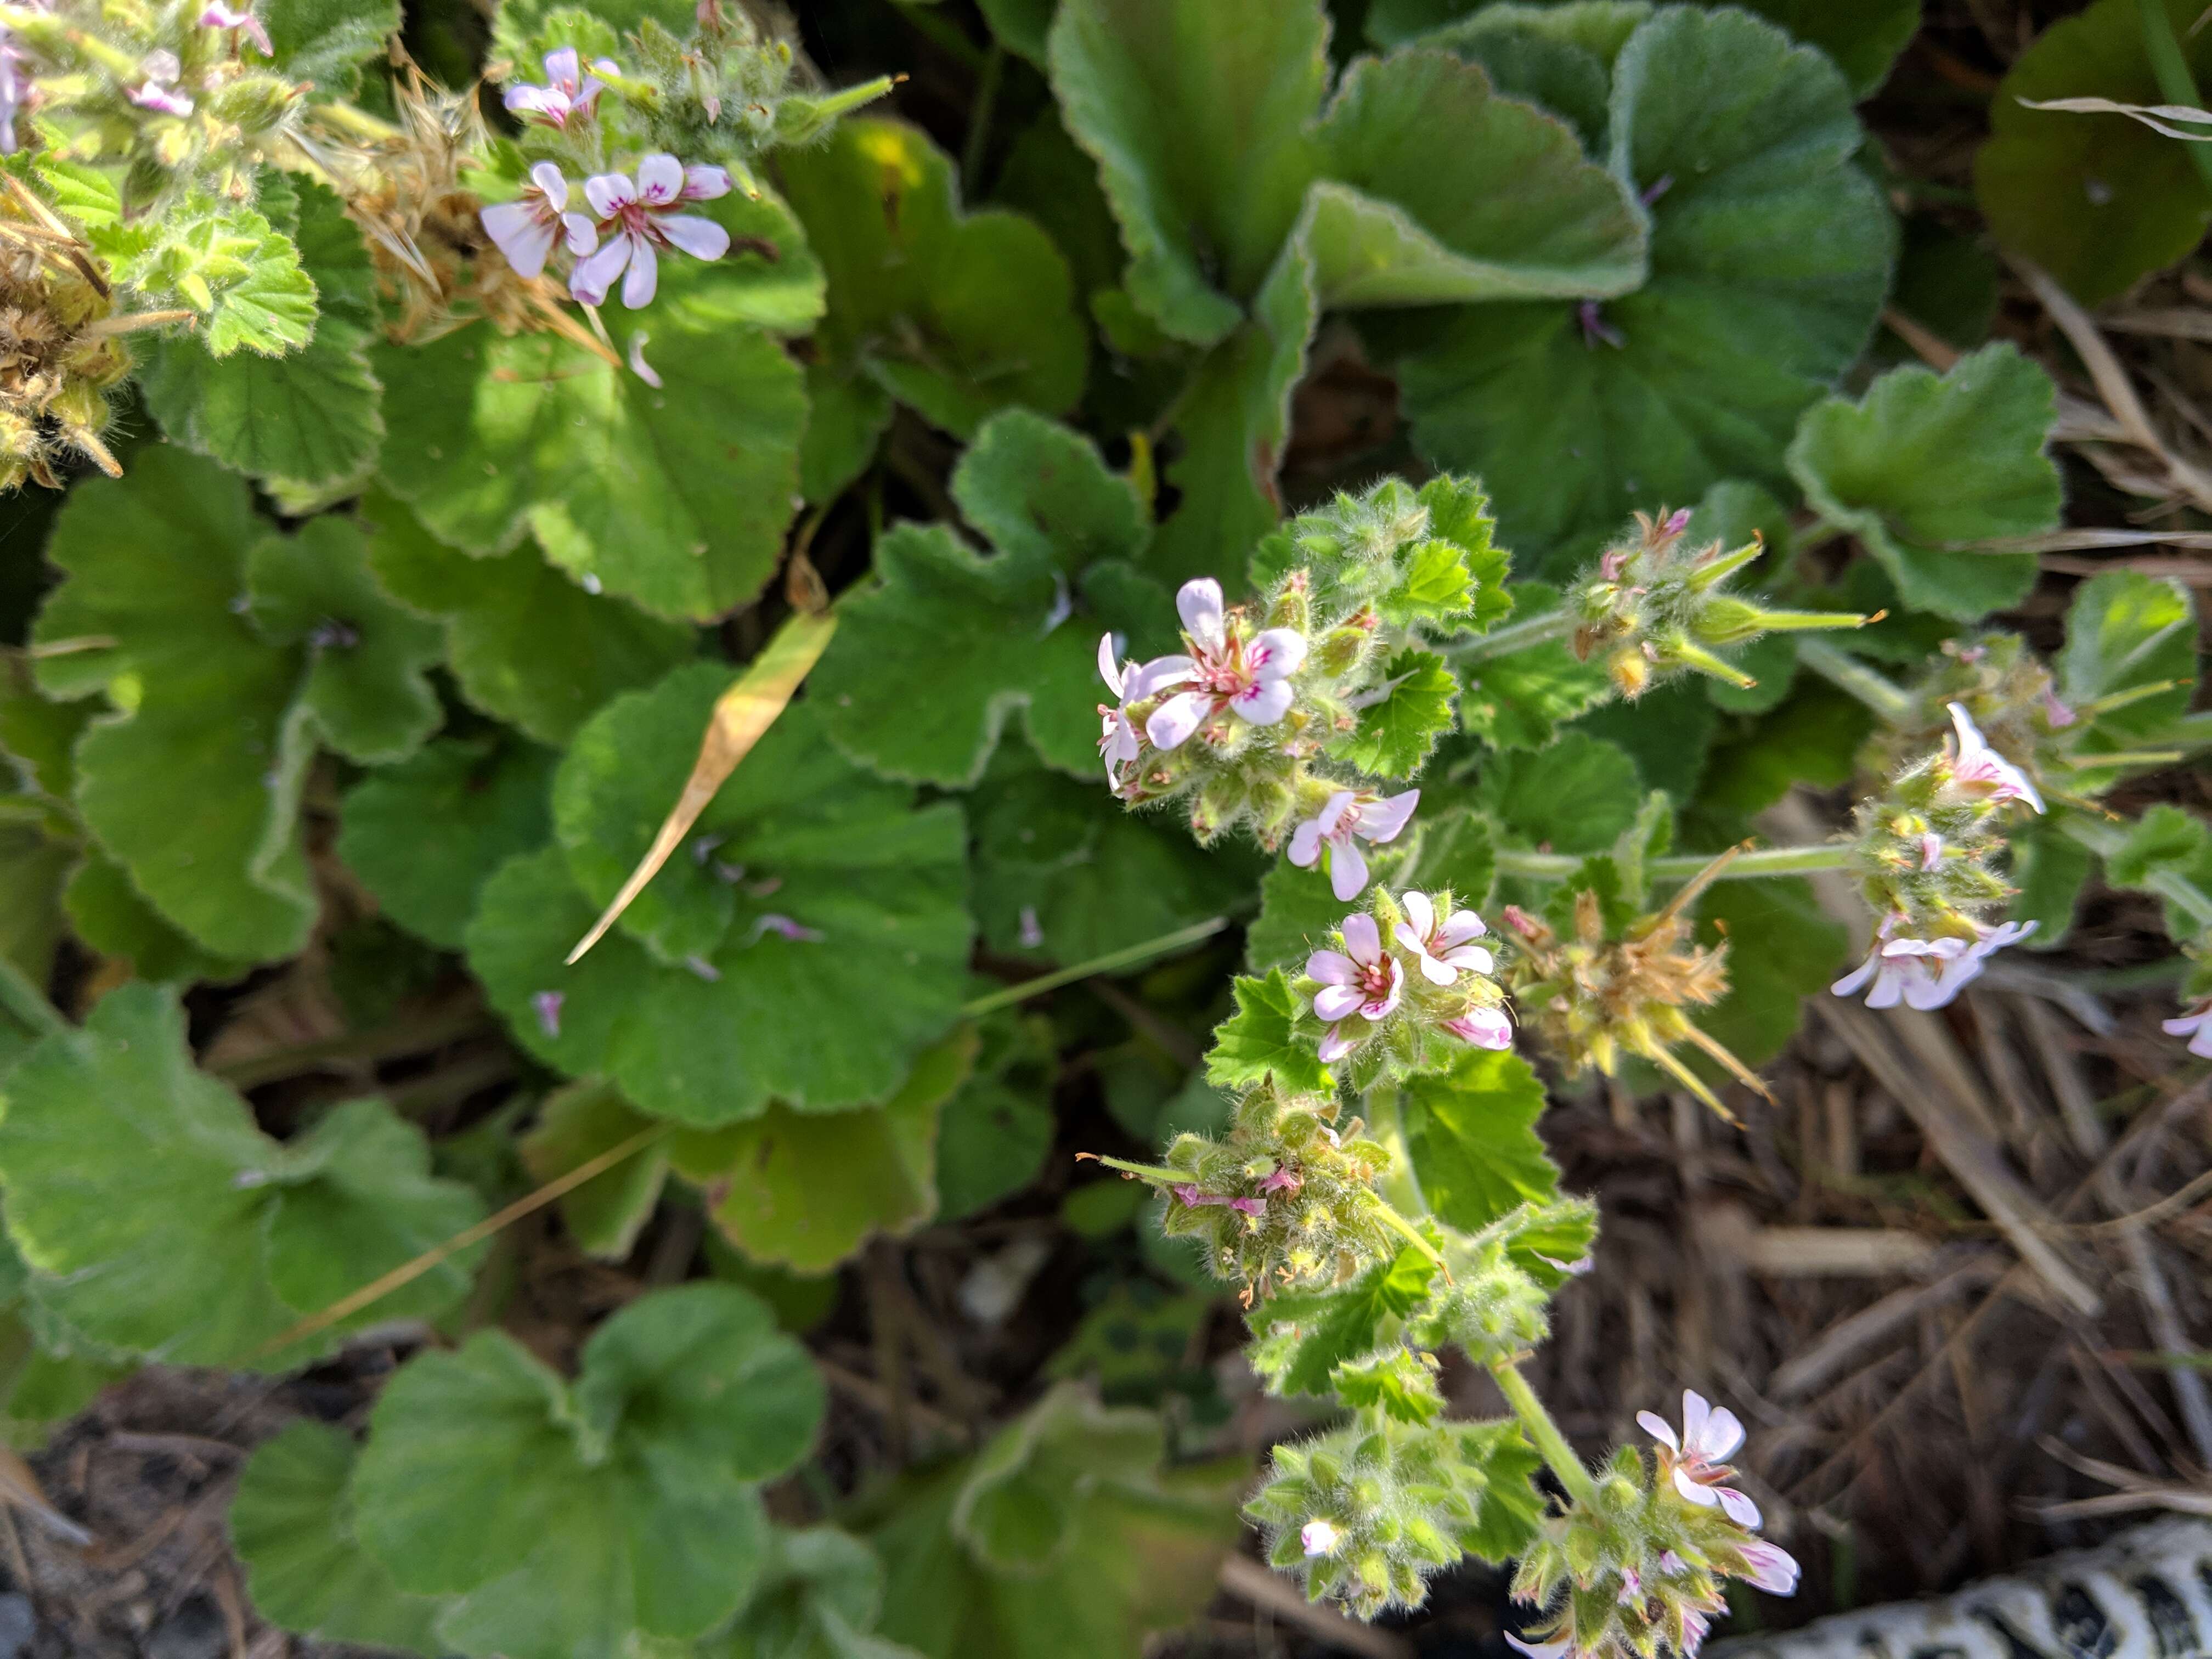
1768 861
1129 957
1400 1185
2106 840
1514 636
1543 1432
2170 66
1847 673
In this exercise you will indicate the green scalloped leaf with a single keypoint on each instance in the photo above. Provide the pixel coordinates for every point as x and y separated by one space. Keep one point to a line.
1260 1040
1922 460
1397 735
1064 873
576 1125
326 41
1439 192
489 800
193 784
566 1520
305 423
1771 255
1064 1538
527 646
695 1005
2125 629
1471 1133
987 634
292 1525
676 498
2166 838
1303 1336
159 1220
1199 113
817 1597
805 1190
365 687
957 313
1576 795
1519 700
2098 201
114 918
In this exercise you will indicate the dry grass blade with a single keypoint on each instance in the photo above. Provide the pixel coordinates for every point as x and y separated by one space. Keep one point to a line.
407 1273
19 1489
742 715
1249 1581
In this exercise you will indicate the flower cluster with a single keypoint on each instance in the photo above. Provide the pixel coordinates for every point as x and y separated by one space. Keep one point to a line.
1600 984
1286 1197
1652 608
1408 975
182 94
1923 852
1638 1562
631 220
61 349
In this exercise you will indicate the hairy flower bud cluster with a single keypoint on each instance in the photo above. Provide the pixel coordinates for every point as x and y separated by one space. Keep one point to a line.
1368 1513
1407 986
1923 852
2011 695
1488 1306
178 97
1638 1567
1286 1197
1653 608
1603 986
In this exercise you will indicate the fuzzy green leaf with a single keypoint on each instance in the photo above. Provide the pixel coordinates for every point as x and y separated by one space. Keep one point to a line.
1449 577
565 1520
958 314
805 1190
1304 1335
291 1523
1770 256
2049 868
1518 701
112 917
305 423
1471 1133
2125 629
1397 735
159 1220
576 1125
2166 840
1576 795
489 800
193 785
817 1598
2098 201
1198 112
988 635
697 1005
676 498
1261 1039
366 686
1922 461
528 645
1298 906
326 41
1064 1538
1440 193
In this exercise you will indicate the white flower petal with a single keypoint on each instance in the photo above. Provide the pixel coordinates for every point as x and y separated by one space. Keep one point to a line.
702 238
1277 652
1305 848
1334 1002
1109 665
1198 604
1420 912
1722 1434
660 179
1263 702
1738 1506
644 277
519 231
1704 1497
1174 720
1347 870
1332 968
1659 1429
608 193
550 183
1362 938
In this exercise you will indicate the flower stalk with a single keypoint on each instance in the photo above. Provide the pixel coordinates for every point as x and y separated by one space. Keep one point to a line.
1543 1432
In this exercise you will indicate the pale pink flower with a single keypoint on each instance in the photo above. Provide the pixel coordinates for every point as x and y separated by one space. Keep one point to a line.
638 366
15 81
1699 1458
1931 850
546 1005
1368 983
158 91
638 219
1443 945
2058 711
1979 769
2197 1026
567 90
1318 1537
783 927
1249 678
1561 1648
1925 973
1773 1568
1695 1624
1345 814
217 15
526 228
1131 682
1192 1198
1281 1181
1486 1028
